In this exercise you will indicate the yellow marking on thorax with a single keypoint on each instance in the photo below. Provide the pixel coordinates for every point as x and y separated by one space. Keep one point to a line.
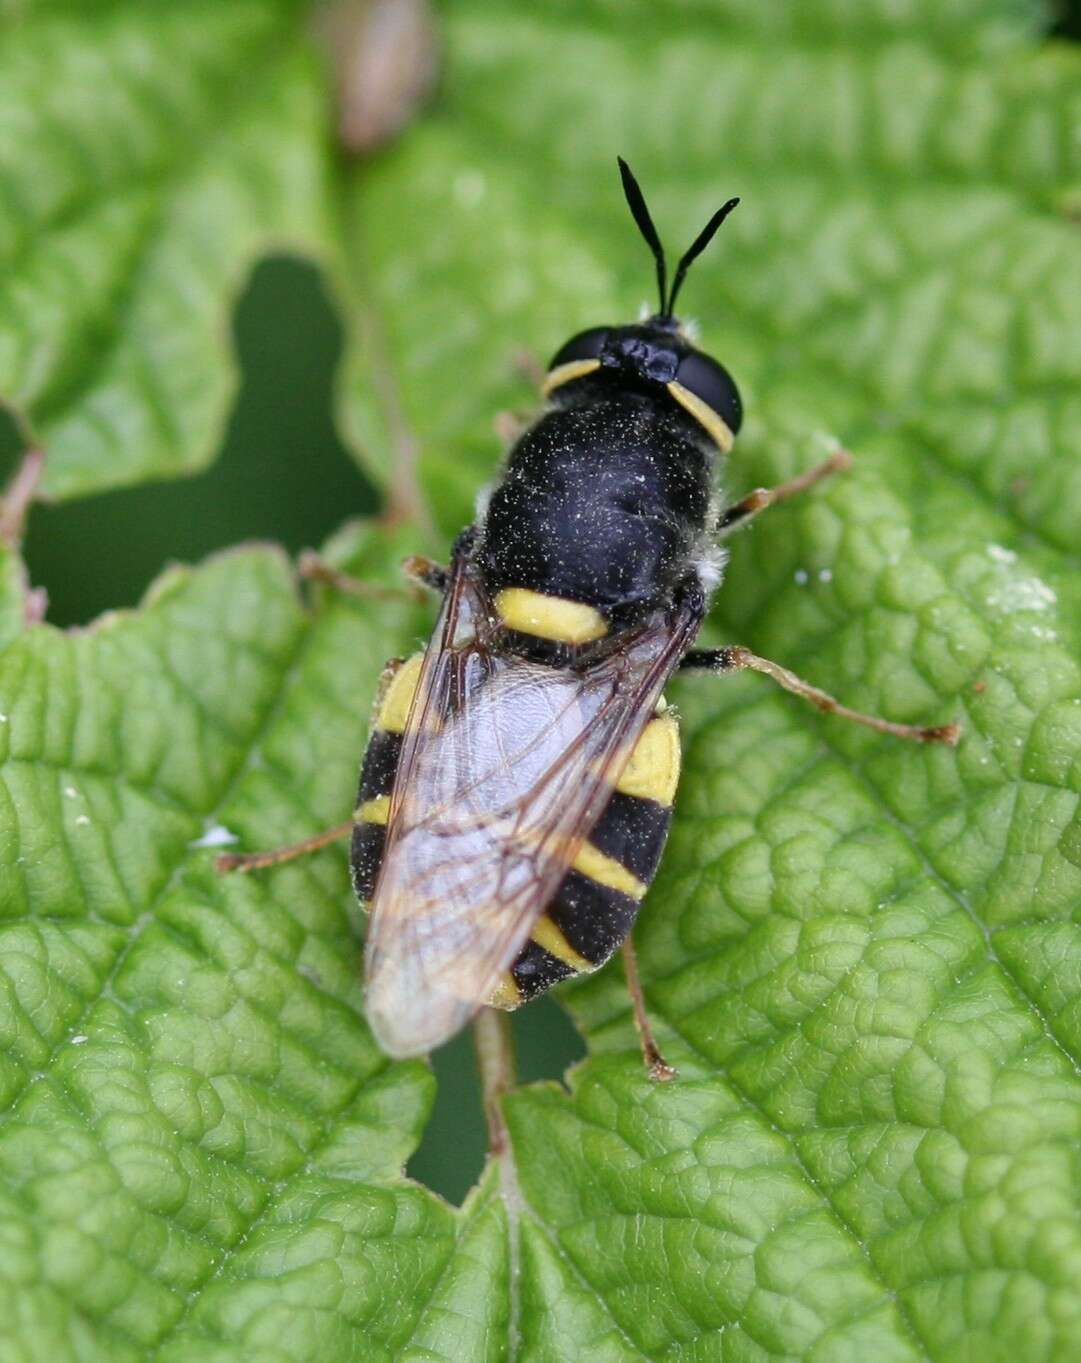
652 771
373 811
398 697
606 871
506 994
547 935
718 430
550 617
564 373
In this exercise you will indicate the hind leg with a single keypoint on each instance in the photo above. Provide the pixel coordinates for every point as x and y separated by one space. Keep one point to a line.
258 861
659 1068
368 823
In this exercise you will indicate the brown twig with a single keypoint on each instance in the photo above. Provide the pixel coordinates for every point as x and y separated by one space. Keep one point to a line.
18 495
496 1062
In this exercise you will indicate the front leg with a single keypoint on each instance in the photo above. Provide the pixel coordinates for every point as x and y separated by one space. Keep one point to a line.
425 572
735 658
742 513
421 571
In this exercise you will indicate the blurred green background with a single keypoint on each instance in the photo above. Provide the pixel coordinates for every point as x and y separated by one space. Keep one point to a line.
283 474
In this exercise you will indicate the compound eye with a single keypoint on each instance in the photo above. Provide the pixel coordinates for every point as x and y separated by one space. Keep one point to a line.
587 345
713 384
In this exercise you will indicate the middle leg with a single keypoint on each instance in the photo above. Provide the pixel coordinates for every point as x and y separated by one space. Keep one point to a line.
735 658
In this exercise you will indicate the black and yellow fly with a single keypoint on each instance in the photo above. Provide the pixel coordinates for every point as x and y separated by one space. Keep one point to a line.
518 784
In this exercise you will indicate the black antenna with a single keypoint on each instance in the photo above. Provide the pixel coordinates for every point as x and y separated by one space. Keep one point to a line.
640 213
701 241
637 203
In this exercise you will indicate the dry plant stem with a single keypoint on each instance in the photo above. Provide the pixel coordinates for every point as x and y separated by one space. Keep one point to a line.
257 861
659 1068
19 494
386 59
737 516
405 500
498 1072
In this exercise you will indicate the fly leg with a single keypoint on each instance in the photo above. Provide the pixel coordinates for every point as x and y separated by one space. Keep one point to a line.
742 513
423 572
509 426
257 861
530 367
659 1068
734 658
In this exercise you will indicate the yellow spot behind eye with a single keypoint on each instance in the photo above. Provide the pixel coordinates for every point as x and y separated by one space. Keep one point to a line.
564 373
606 871
652 771
374 811
398 697
547 935
717 429
550 617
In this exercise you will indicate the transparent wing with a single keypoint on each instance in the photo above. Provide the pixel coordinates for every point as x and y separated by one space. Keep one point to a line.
506 765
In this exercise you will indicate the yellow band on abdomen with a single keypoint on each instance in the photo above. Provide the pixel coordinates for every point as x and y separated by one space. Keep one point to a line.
398 697
506 994
606 871
652 771
547 935
373 811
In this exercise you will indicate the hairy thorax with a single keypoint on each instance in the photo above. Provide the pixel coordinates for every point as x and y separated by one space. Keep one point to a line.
603 503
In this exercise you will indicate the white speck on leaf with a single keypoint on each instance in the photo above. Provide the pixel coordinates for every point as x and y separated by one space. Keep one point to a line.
215 835
1021 594
1015 591
801 576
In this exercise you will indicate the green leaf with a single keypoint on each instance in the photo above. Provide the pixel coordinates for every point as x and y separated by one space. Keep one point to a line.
148 155
862 955
13 595
202 1142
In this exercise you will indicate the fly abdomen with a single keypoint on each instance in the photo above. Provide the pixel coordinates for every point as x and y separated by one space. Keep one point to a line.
377 773
597 902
